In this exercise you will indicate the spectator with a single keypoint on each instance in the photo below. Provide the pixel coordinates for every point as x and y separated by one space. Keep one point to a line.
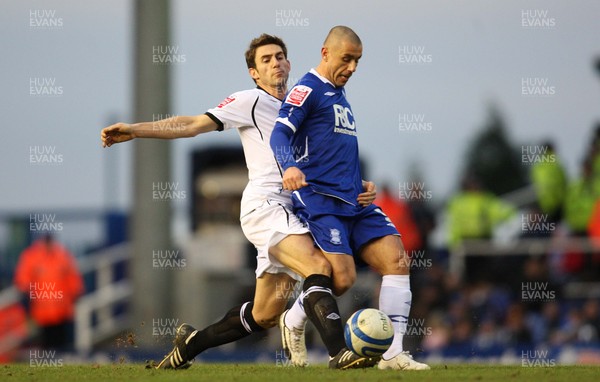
487 335
550 183
517 333
568 332
594 233
594 155
473 214
440 334
590 330
48 274
580 200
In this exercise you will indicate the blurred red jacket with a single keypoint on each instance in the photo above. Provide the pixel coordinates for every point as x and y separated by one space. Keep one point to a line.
48 274
399 213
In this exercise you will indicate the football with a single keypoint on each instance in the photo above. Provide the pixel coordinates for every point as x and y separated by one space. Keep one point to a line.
369 332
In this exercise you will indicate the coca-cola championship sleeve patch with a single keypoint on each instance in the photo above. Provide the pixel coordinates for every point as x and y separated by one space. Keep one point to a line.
298 95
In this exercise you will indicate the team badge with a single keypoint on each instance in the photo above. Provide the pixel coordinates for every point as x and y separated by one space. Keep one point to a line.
335 236
298 95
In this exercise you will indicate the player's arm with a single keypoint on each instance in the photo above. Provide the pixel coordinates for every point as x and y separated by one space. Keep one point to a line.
368 196
170 128
294 109
293 177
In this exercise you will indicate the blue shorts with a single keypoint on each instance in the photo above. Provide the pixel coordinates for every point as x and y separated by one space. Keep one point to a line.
338 227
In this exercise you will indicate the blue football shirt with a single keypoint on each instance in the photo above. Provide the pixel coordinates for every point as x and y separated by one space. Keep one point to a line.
324 143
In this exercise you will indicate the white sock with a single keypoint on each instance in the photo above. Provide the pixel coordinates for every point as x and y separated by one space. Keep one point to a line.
296 317
394 300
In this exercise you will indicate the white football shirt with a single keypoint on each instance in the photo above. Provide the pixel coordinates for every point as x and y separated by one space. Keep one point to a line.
252 112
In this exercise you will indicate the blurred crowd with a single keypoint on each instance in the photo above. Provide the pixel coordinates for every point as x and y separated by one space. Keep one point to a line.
472 318
518 300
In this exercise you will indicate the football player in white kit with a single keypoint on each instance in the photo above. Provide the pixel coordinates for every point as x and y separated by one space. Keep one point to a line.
286 252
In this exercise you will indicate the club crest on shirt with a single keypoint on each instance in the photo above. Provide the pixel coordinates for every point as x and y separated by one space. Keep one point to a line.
298 95
226 102
334 233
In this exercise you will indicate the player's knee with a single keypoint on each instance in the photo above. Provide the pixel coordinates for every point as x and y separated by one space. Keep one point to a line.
314 263
341 283
265 319
320 265
403 263
395 264
266 311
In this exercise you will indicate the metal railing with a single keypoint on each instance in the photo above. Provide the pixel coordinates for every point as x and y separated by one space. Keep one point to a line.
101 301
11 339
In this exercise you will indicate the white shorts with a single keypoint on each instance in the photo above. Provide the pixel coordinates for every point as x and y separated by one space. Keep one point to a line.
269 220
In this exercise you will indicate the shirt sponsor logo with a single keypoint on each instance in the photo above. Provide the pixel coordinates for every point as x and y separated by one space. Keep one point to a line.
298 95
344 120
226 102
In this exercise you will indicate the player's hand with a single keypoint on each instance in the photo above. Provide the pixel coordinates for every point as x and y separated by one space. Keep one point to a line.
368 196
293 179
117 133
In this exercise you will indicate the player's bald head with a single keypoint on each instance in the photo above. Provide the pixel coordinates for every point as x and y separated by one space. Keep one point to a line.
340 53
341 33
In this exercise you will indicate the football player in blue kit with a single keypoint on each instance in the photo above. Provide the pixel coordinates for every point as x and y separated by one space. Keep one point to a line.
317 125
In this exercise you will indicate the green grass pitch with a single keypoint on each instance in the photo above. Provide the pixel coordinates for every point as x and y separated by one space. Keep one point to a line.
222 372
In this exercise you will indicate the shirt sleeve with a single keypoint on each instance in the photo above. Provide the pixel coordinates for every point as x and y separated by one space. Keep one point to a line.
233 112
295 107
293 111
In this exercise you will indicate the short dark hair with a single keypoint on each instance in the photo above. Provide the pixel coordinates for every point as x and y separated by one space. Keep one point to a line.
341 31
263 39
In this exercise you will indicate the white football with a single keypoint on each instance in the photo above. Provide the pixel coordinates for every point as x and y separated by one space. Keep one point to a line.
369 332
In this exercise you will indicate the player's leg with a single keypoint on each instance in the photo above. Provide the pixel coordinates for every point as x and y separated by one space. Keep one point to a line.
343 272
291 246
317 299
329 233
269 302
297 252
293 321
238 322
384 255
340 357
250 317
387 256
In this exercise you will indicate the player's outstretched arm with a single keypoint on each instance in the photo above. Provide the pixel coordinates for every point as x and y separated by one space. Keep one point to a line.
369 194
170 128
